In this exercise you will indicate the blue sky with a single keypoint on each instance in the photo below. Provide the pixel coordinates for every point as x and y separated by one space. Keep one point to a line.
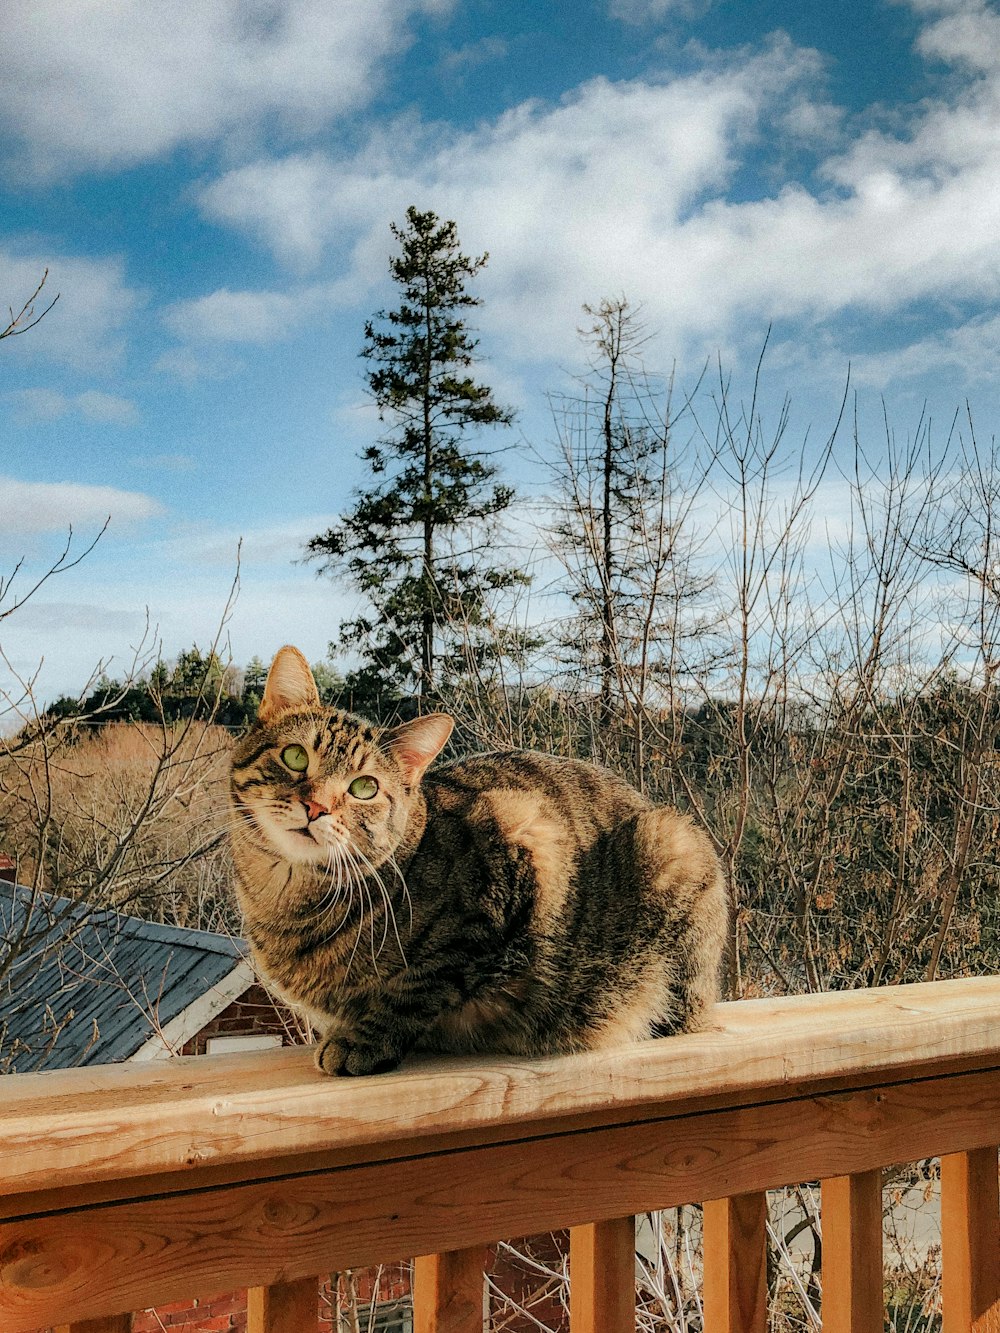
211 183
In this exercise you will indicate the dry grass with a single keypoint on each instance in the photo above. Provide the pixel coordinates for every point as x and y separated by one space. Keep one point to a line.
131 815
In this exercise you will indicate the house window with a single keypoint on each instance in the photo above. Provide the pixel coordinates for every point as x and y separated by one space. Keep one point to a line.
257 1041
388 1317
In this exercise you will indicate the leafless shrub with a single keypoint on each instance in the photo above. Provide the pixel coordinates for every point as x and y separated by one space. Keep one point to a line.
128 814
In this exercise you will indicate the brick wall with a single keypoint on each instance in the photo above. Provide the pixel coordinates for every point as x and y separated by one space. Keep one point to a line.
228 1313
516 1278
221 1314
255 1012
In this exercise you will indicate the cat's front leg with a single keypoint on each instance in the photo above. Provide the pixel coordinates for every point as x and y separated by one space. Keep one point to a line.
339 1056
368 1037
373 1034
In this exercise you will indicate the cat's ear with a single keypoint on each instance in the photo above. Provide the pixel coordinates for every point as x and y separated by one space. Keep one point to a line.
415 744
290 684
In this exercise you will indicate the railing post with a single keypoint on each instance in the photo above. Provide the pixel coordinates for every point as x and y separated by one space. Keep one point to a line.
970 1242
113 1323
853 1297
286 1307
602 1277
449 1292
735 1245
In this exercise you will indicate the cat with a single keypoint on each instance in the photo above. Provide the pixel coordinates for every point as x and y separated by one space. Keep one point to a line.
508 902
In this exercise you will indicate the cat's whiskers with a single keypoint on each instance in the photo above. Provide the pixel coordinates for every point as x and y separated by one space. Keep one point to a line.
390 911
362 882
341 867
333 889
391 861
361 926
338 871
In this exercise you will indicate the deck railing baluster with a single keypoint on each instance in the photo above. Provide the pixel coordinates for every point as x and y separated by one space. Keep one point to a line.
851 1218
448 1291
970 1242
602 1277
735 1249
286 1307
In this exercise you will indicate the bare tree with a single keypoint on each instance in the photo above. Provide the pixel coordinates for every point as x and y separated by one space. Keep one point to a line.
102 815
625 494
26 318
965 547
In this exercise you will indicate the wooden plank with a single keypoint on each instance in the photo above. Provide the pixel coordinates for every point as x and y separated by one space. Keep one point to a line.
602 1277
113 1323
203 1243
735 1231
449 1291
285 1307
118 1122
970 1242
853 1300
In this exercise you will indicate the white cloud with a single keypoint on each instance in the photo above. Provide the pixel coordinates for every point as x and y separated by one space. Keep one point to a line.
239 317
114 82
625 187
967 33
273 546
44 506
39 404
462 59
109 407
289 204
970 351
621 153
92 404
85 328
653 11
190 365
571 201
41 617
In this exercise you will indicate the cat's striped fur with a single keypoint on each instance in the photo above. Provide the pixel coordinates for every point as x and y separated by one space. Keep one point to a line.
508 902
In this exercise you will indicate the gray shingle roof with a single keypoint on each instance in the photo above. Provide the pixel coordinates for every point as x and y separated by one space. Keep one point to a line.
81 987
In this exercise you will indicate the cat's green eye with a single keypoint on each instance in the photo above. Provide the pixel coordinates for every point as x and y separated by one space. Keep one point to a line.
295 758
363 788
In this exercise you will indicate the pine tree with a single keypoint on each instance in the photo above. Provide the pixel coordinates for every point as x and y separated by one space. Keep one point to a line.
406 542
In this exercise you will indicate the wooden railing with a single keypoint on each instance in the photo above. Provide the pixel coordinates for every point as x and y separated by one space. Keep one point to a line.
128 1186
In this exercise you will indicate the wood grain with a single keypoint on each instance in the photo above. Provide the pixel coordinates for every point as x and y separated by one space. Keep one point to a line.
285 1307
852 1253
602 1277
970 1242
449 1292
206 1242
735 1232
118 1124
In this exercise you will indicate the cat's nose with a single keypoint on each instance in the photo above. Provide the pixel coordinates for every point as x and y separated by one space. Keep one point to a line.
314 810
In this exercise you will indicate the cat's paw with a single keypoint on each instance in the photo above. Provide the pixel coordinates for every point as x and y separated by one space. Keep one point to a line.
339 1058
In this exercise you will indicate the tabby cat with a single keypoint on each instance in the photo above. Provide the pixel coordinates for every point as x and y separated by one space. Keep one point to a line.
507 902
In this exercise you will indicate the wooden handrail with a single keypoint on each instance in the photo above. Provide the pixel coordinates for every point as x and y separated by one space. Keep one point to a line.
126 1186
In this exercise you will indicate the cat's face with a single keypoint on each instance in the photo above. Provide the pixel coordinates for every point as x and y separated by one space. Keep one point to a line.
321 787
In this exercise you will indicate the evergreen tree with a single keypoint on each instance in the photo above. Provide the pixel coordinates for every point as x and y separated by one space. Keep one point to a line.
254 680
159 679
329 682
406 542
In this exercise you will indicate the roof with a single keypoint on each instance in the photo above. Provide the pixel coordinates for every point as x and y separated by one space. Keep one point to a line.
80 986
